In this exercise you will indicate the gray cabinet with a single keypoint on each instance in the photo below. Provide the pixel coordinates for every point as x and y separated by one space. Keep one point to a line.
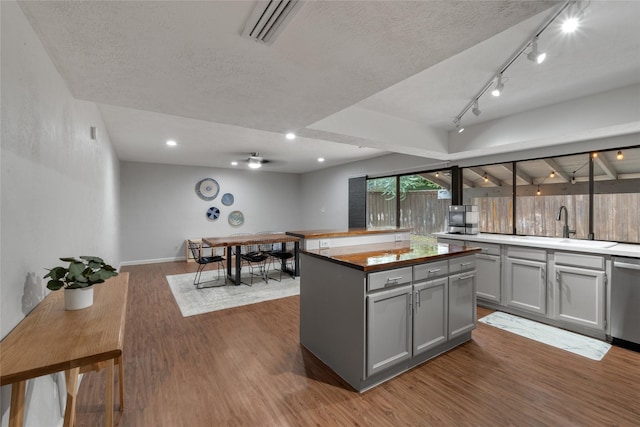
488 272
580 289
526 279
462 303
389 328
430 318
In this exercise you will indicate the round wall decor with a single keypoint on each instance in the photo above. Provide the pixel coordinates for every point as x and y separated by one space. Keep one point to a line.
207 189
227 199
213 213
236 218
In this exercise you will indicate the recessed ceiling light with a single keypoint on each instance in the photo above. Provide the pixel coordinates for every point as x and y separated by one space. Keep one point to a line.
321 159
234 163
290 135
171 143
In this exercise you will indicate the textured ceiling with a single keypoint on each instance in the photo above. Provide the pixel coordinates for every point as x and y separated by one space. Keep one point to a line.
180 69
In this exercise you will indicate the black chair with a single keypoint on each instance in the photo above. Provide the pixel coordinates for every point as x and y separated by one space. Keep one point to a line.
255 258
281 256
203 261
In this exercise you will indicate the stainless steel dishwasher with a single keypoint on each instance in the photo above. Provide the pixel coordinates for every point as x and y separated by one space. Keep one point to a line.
625 302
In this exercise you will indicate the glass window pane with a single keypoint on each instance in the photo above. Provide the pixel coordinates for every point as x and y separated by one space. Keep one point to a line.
424 202
381 202
543 187
490 188
616 202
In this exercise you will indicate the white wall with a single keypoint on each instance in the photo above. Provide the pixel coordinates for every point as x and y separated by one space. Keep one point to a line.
160 208
59 189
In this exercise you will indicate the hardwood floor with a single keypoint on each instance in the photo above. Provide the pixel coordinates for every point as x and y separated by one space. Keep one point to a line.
245 367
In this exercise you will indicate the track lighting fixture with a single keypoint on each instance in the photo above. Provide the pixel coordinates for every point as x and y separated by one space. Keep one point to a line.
619 156
574 16
475 110
459 127
496 84
497 90
535 55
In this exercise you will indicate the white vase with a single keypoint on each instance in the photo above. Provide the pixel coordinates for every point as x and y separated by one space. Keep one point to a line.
76 299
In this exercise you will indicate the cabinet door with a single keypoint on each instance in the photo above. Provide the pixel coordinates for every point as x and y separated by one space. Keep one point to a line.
526 285
430 314
580 296
488 281
388 328
462 303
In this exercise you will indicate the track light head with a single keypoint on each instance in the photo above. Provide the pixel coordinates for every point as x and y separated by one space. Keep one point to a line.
497 90
535 55
475 110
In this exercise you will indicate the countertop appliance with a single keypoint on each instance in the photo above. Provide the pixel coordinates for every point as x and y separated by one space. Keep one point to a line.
463 219
625 302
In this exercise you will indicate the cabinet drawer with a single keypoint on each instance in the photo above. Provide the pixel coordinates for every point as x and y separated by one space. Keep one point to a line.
386 279
487 248
430 270
463 263
580 260
527 253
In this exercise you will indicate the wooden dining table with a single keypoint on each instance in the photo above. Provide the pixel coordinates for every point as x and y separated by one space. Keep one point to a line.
51 339
231 242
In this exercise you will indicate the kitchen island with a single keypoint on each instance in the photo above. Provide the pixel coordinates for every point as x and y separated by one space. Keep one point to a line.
371 312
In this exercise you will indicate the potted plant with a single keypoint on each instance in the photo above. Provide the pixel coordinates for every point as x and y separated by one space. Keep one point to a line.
78 278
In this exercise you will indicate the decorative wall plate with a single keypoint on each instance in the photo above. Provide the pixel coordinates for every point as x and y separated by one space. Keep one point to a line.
227 199
213 213
236 218
207 189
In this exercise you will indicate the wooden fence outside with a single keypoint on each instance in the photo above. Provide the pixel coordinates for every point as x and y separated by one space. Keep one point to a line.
616 216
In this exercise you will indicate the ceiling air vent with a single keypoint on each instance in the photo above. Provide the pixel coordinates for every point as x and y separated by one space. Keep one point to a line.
268 19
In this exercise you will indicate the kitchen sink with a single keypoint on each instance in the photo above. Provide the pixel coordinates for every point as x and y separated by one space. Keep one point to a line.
566 242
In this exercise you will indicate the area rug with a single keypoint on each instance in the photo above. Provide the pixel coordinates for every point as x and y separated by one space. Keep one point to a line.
218 296
559 338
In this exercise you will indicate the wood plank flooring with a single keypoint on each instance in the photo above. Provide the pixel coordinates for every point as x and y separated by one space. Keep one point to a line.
245 367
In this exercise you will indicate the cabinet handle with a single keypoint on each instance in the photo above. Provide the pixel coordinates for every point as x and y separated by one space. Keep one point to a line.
435 270
466 277
464 264
394 279
417 298
410 303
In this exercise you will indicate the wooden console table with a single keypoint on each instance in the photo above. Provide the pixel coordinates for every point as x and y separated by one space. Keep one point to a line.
51 339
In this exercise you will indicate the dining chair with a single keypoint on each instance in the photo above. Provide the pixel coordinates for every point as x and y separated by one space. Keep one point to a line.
255 258
197 252
280 256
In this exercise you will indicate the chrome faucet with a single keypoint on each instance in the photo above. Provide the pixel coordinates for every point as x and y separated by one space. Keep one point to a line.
565 229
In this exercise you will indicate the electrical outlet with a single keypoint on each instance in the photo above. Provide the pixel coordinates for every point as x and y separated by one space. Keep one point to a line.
324 243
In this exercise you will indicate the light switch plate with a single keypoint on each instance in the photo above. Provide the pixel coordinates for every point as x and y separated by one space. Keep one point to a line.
324 243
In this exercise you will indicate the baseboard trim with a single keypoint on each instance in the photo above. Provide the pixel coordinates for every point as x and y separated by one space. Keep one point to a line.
151 261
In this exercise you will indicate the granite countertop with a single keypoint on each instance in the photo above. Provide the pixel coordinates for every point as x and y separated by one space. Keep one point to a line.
383 256
574 245
316 234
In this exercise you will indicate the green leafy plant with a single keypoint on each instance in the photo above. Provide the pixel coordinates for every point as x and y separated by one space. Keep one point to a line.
81 273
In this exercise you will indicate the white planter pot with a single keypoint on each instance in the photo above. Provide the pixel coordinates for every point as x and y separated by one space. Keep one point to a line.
76 299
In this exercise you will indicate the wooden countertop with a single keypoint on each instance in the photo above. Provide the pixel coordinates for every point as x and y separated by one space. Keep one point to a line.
317 234
383 256
51 339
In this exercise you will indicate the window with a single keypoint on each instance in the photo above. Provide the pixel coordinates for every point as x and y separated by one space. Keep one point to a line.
424 202
490 188
543 187
616 199
381 202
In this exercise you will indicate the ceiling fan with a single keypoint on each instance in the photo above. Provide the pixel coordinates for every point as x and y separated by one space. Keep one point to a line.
255 161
